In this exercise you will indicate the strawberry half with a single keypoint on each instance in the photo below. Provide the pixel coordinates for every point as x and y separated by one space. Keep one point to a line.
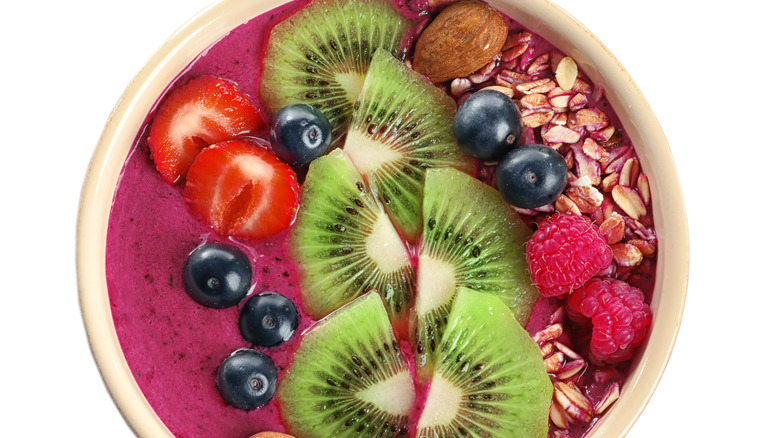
204 111
242 190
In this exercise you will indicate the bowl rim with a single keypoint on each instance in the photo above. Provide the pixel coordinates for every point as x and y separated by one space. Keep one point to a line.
541 16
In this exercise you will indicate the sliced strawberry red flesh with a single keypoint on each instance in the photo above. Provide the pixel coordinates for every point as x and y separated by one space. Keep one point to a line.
241 189
204 111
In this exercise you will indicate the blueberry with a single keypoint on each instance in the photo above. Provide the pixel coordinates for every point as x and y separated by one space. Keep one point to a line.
530 176
247 379
268 319
217 275
487 125
300 133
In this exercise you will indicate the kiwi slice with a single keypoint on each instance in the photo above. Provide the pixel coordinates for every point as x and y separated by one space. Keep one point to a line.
471 240
401 126
345 243
320 55
489 378
348 377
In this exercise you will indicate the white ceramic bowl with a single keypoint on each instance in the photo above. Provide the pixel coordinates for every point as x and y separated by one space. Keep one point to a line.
541 16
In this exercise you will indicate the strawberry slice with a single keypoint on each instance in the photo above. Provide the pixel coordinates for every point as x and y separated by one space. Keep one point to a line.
204 111
242 189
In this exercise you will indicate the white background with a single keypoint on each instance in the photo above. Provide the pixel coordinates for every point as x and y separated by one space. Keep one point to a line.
709 71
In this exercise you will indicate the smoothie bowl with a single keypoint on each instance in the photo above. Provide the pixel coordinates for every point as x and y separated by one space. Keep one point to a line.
382 218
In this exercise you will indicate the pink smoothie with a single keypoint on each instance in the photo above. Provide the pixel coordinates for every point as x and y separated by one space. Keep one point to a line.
173 345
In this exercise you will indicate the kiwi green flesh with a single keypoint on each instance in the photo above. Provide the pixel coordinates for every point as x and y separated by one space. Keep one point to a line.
345 244
348 377
489 378
473 240
402 125
320 56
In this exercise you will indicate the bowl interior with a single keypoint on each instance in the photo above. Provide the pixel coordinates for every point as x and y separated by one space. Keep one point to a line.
541 16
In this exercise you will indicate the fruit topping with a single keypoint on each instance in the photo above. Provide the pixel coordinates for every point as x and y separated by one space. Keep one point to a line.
320 55
565 252
487 125
217 275
489 378
242 190
615 313
204 111
247 379
402 126
345 244
348 377
471 240
268 319
300 133
460 40
531 176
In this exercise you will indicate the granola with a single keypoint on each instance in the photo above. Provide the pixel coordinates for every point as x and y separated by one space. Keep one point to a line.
561 108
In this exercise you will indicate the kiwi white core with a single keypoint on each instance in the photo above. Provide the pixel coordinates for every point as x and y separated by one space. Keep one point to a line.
367 154
394 395
351 82
435 283
385 248
442 404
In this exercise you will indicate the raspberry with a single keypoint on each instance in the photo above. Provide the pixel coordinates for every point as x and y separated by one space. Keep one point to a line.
617 313
565 252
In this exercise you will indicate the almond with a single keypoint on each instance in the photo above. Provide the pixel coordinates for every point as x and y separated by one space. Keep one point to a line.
460 40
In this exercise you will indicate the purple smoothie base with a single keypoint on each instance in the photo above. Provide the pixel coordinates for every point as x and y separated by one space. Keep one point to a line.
173 346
